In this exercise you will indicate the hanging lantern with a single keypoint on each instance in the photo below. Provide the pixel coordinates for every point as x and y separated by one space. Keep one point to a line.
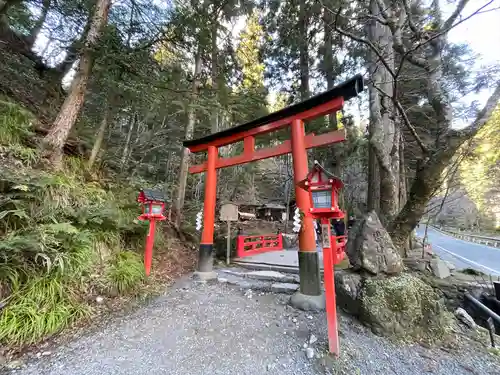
323 188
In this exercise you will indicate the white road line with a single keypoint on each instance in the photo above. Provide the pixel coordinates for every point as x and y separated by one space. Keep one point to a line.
468 260
464 241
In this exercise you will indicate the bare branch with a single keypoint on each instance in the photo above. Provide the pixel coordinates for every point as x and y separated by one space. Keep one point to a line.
460 7
445 30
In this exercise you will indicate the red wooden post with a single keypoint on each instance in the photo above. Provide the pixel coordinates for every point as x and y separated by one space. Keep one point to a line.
240 246
205 257
328 274
148 252
310 283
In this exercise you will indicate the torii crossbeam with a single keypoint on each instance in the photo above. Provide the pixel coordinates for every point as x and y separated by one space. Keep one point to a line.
293 116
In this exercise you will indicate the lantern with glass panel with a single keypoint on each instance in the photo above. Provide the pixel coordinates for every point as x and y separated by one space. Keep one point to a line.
153 205
323 188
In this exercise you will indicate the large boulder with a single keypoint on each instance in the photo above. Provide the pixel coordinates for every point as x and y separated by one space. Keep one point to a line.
370 248
404 306
400 306
348 291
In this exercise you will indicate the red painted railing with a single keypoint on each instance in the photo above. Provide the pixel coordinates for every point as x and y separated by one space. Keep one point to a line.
340 248
251 245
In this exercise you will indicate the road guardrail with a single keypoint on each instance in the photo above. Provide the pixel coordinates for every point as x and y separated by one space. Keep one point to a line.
483 240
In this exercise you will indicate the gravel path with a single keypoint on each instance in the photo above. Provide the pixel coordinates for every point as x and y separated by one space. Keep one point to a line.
216 329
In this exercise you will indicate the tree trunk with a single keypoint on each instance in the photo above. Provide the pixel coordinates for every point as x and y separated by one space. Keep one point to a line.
74 48
303 51
395 164
427 180
337 149
126 147
181 192
215 77
328 58
382 127
73 103
373 198
99 138
403 189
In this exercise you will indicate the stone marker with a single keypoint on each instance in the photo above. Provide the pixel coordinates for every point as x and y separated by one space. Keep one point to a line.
370 248
440 268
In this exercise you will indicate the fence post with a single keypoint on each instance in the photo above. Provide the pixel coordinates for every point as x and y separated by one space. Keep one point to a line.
240 244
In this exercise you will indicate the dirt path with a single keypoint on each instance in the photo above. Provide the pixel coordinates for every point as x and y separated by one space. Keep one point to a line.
214 329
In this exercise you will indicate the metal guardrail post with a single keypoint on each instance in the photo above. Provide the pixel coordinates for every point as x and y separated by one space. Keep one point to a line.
482 307
489 241
496 285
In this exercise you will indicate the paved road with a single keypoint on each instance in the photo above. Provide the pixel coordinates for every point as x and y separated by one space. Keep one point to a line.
464 254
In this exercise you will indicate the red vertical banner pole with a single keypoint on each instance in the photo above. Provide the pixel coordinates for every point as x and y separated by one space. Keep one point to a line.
148 252
329 251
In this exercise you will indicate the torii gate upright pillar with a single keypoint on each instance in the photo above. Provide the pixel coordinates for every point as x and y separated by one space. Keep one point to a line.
205 254
310 296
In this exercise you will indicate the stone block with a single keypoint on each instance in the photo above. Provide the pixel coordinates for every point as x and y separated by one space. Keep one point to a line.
440 268
271 276
287 288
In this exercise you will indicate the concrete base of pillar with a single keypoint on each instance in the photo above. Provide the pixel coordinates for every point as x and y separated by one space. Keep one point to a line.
308 303
205 276
310 279
205 258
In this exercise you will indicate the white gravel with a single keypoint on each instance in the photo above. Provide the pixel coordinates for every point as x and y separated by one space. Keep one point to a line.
217 329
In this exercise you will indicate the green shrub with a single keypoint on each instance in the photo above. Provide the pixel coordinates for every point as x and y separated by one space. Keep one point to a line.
15 123
42 307
54 227
126 272
58 249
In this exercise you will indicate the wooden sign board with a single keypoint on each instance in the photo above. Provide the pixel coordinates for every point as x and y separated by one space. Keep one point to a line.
325 234
229 212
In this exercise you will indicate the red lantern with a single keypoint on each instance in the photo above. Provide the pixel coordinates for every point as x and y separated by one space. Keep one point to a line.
323 188
153 204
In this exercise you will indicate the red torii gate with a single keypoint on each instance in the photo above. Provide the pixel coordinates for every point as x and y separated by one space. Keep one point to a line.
293 117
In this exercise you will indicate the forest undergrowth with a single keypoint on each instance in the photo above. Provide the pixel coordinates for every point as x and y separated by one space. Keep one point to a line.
66 238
